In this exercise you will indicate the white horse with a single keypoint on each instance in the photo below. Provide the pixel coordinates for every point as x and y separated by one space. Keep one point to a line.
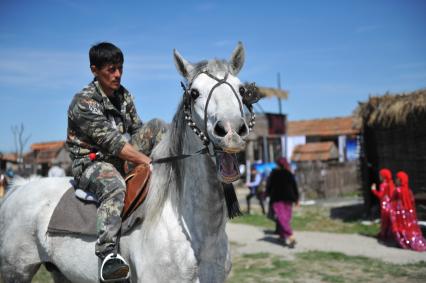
182 238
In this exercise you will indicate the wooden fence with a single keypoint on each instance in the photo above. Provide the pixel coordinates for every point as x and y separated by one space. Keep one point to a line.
328 179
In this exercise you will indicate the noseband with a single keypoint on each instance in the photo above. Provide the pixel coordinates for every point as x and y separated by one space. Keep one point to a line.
249 97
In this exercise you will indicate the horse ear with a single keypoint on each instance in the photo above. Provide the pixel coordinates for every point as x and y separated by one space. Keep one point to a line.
183 66
237 59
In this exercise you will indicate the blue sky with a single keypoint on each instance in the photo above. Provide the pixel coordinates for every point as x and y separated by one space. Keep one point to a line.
330 54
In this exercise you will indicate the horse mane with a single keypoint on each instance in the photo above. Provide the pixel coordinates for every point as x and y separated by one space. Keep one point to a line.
166 177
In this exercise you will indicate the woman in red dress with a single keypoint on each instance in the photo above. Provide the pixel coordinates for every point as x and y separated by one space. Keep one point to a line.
406 231
386 190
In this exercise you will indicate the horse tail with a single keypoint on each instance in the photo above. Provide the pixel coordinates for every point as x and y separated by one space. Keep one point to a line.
17 183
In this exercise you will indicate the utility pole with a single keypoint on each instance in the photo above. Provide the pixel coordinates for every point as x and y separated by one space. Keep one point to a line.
279 87
283 137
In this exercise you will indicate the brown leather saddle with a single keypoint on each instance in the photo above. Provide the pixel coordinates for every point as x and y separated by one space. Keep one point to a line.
137 188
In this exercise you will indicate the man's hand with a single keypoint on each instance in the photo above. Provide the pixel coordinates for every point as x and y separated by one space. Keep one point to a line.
129 153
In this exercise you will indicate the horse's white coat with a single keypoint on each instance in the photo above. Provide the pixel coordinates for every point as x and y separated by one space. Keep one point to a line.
183 238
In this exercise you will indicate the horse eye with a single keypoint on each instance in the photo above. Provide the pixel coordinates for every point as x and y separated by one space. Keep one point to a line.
194 93
242 90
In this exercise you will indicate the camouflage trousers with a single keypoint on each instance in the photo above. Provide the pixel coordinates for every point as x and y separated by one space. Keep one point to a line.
106 181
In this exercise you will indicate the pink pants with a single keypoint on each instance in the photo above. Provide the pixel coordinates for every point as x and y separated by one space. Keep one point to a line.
283 212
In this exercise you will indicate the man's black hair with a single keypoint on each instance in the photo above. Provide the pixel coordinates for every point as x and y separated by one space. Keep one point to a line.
105 53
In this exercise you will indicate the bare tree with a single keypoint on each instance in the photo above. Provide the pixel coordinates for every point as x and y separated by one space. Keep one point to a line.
20 142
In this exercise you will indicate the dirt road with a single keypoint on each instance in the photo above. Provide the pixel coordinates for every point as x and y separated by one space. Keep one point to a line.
248 239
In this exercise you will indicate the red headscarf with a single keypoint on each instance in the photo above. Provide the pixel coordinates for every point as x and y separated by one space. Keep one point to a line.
406 195
282 162
387 177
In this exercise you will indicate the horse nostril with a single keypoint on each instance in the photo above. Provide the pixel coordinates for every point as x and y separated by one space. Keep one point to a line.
243 130
219 130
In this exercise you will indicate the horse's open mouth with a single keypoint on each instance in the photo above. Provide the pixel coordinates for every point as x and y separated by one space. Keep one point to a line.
227 167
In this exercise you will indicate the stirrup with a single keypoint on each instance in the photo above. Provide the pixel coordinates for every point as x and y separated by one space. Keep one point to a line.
108 258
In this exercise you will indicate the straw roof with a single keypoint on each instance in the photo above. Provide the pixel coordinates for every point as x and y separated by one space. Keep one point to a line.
390 109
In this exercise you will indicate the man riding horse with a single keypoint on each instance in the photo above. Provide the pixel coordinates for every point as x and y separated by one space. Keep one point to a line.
104 131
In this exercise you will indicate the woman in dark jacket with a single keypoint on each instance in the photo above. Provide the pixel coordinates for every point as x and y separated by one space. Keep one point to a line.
283 192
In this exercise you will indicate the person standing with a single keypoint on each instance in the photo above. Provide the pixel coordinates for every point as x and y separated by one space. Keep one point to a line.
254 187
384 193
283 192
3 184
56 171
405 228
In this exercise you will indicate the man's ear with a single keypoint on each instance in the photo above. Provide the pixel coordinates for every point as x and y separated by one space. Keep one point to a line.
94 70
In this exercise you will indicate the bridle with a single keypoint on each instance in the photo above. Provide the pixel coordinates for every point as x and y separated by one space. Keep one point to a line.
249 97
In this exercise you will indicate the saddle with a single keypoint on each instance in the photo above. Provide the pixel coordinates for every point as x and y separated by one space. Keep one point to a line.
73 215
137 188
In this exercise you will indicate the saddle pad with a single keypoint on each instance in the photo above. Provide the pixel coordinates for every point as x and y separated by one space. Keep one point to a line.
72 216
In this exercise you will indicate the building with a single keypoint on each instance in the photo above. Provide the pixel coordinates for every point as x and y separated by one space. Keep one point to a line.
8 160
393 131
44 155
324 153
339 130
321 151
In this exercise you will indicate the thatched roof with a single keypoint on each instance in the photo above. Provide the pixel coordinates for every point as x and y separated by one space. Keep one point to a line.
390 109
271 92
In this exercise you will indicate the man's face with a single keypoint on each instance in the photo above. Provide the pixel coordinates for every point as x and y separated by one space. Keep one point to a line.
109 76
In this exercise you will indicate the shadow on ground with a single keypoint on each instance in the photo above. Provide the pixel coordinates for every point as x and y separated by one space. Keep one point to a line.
348 213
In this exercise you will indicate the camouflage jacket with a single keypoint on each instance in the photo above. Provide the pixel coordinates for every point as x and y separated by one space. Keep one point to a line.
96 125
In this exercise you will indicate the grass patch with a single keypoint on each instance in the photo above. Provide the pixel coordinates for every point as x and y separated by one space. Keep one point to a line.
313 266
42 276
317 266
255 220
312 218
